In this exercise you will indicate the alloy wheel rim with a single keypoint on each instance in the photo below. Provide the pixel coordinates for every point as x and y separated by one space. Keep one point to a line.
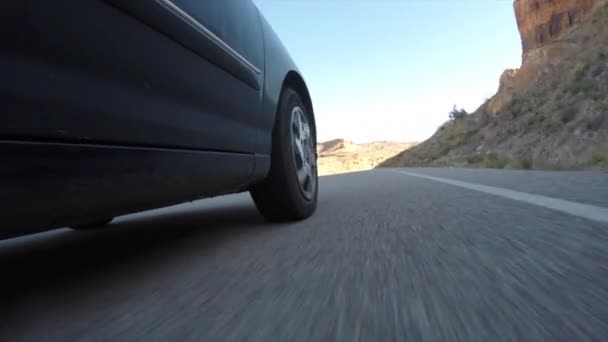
303 152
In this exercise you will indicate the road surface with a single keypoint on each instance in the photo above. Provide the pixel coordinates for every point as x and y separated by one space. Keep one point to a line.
391 255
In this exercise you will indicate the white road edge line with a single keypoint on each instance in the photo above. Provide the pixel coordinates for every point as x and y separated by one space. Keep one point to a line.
587 211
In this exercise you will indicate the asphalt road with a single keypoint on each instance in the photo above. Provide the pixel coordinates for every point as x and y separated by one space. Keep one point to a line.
388 256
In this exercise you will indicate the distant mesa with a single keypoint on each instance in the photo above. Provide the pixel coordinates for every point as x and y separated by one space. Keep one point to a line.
342 155
333 145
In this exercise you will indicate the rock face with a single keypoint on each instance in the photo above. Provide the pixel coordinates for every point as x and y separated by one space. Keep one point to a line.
540 22
507 87
541 25
550 113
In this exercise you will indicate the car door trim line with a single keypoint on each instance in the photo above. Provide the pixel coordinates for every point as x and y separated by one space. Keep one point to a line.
174 9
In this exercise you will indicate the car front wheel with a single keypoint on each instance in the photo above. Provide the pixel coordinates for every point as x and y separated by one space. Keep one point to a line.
289 192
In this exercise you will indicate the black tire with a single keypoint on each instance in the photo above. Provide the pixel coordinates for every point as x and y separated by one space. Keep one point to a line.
280 197
93 224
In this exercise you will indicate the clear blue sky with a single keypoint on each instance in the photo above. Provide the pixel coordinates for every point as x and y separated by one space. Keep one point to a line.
393 69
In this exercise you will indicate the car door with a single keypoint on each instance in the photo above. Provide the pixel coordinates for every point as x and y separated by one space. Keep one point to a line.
227 36
152 73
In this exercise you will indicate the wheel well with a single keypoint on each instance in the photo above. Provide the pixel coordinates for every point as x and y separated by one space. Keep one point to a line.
295 81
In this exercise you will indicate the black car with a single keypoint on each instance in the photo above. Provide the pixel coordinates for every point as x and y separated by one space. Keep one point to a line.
116 106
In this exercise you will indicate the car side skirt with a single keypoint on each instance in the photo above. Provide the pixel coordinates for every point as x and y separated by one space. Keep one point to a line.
47 185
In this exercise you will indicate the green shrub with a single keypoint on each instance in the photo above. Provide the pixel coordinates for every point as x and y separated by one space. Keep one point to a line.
598 70
598 158
594 123
552 125
515 107
580 70
598 121
474 159
493 161
458 114
586 87
526 164
568 114
534 119
598 96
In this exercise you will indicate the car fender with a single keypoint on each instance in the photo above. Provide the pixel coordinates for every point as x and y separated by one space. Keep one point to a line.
280 71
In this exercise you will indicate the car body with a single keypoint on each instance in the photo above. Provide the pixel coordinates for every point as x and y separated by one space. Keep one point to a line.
116 106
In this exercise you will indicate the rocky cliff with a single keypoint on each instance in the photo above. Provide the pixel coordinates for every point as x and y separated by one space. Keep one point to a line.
541 24
550 113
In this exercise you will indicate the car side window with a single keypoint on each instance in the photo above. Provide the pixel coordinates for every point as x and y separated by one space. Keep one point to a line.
236 22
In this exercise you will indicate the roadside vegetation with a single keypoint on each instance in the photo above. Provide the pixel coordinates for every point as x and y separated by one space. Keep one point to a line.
560 123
